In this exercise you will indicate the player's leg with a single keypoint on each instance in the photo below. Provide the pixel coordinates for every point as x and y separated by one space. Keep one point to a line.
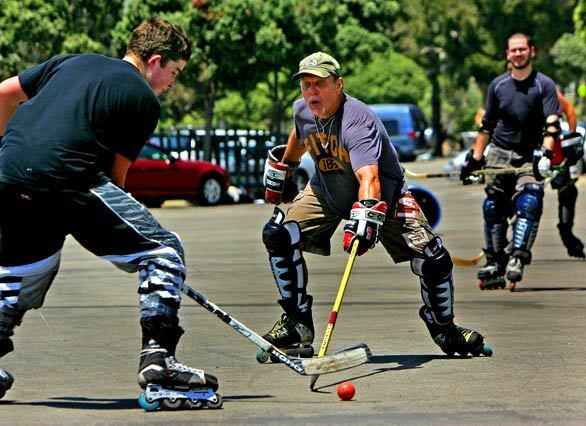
406 235
31 237
528 203
307 226
567 195
495 211
115 227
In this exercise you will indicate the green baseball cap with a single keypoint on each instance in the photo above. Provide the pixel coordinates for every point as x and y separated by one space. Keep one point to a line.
320 64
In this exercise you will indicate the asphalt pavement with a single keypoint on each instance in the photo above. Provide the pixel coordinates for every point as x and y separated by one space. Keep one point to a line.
76 358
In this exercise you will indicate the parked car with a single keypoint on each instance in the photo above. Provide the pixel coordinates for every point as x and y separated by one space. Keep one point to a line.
156 176
406 126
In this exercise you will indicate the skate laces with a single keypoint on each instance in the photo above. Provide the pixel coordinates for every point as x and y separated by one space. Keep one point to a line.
173 364
280 328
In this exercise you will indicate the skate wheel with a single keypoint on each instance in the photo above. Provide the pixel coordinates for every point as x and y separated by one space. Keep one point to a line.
486 350
2 393
144 403
170 404
215 405
262 356
512 286
193 404
481 285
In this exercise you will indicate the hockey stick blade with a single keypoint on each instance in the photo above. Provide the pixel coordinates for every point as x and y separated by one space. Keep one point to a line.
338 361
461 261
328 364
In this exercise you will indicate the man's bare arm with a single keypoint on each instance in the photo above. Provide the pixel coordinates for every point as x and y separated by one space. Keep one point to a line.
11 95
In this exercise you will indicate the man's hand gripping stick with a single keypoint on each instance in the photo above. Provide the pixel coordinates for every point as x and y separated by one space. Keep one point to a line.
278 177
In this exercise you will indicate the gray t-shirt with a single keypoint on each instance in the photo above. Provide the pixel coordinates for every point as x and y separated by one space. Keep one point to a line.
352 138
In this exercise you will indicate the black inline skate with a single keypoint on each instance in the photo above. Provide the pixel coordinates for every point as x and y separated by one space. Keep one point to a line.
171 385
454 339
6 381
293 333
492 275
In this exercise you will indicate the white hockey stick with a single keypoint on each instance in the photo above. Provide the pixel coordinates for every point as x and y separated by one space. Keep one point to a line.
347 358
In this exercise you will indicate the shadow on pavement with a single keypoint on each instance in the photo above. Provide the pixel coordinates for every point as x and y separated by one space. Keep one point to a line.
82 403
405 362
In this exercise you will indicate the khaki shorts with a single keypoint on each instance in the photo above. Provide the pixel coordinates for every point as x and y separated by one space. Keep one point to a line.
508 185
404 234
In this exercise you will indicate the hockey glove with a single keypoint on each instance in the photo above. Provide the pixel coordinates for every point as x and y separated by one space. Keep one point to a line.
278 178
572 147
366 219
470 166
541 163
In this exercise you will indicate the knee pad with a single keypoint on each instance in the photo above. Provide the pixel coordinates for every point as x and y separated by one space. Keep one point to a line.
567 204
280 237
529 203
528 209
435 275
495 213
436 263
163 329
6 346
495 208
287 264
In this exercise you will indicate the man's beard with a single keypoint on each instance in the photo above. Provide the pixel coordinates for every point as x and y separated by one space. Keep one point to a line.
522 65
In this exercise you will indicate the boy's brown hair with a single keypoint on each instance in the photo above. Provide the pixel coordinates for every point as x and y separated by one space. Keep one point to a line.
158 36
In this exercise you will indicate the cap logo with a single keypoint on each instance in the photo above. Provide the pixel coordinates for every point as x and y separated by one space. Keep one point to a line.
311 62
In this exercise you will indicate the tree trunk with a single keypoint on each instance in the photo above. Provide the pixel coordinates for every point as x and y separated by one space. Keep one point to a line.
436 114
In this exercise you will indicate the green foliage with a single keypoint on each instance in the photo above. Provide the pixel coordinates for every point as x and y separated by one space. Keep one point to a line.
388 78
569 53
31 32
579 17
460 106
246 50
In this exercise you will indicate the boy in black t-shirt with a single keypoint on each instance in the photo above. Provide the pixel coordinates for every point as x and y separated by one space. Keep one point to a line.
71 127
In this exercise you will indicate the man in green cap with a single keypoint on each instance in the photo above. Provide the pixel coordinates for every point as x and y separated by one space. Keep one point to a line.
358 178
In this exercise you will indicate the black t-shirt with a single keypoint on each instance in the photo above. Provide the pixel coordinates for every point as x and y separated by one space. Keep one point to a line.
81 110
517 109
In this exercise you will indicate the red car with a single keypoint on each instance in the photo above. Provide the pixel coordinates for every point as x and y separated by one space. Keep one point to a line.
156 176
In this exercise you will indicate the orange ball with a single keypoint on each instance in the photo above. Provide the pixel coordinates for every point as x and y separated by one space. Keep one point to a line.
346 391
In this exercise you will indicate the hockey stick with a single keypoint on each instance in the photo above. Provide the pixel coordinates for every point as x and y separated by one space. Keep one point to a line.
348 358
460 261
482 172
486 172
334 315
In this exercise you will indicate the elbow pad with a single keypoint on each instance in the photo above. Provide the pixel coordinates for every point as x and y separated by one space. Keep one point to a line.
552 126
487 126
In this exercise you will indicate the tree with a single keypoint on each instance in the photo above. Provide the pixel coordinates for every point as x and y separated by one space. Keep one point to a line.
389 77
32 31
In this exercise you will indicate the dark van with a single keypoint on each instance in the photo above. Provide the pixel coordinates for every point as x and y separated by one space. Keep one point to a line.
406 126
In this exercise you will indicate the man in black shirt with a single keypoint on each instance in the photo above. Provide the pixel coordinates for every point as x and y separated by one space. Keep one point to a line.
519 104
71 127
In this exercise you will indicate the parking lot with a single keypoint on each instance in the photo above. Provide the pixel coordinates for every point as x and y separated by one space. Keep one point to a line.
76 358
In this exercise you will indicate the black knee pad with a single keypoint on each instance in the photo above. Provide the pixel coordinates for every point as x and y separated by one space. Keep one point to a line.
495 207
165 330
567 195
279 237
436 264
6 346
